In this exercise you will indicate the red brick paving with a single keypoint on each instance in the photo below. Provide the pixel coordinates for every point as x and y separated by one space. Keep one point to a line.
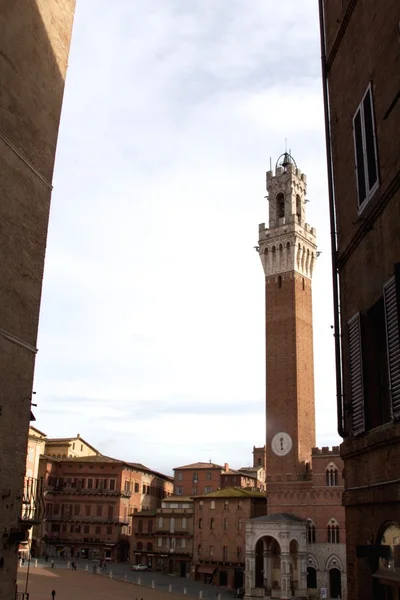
82 585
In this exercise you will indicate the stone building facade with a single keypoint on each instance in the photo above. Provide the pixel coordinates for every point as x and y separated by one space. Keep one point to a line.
34 45
69 447
360 66
88 503
163 540
297 549
198 478
219 534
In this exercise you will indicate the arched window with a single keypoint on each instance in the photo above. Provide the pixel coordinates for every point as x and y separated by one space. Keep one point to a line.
333 532
259 461
310 532
279 281
139 546
389 548
331 474
280 206
149 547
311 578
298 206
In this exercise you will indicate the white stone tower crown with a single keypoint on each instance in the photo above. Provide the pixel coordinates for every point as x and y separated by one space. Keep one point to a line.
290 243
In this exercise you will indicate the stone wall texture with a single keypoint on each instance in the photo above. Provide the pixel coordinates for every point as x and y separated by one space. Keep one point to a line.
34 44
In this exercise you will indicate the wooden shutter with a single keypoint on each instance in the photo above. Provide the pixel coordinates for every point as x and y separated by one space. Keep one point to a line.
356 375
393 344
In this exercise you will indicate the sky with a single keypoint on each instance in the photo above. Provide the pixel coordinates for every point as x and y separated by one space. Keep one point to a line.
151 337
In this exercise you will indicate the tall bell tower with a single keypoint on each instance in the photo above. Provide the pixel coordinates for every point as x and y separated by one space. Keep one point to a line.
288 252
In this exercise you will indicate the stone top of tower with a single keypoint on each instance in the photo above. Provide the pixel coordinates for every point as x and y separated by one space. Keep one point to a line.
289 244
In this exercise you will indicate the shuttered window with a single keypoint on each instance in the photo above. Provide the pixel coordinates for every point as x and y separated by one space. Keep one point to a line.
393 344
356 375
366 161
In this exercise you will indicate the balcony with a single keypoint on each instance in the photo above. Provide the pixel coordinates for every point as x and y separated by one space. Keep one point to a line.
87 519
32 502
77 490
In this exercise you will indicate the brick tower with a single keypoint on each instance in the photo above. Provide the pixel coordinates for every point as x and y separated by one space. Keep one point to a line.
288 252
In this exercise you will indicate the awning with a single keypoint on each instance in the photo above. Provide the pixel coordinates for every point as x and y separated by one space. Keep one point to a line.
206 569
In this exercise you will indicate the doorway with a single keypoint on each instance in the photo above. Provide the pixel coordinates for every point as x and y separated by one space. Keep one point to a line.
335 583
223 578
182 569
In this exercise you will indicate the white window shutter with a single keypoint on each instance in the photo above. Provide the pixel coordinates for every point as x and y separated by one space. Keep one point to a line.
393 344
356 375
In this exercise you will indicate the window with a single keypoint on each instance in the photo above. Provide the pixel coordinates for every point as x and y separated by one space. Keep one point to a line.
280 206
140 526
365 150
143 489
199 549
55 527
73 445
159 542
160 522
207 489
225 524
179 491
97 530
86 529
88 509
81 447
195 477
259 461
356 375
77 509
90 483
240 503
183 543
136 488
331 475
298 206
179 476
194 491
211 550
240 524
200 523
150 526
239 552
225 553
109 530
149 547
310 532
212 521
139 545
226 504
112 484
184 523
31 454
99 510
201 504
110 512
208 476
333 532
212 505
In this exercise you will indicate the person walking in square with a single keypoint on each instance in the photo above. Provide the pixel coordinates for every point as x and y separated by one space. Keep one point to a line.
53 594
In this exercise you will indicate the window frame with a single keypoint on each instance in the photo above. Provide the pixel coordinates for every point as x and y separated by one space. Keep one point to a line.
360 110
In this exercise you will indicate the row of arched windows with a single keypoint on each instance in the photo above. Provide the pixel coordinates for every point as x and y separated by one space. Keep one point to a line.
333 532
280 206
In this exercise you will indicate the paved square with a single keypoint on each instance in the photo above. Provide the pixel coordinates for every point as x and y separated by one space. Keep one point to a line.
82 585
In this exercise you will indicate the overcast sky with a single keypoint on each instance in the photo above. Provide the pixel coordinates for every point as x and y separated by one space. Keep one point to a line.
151 340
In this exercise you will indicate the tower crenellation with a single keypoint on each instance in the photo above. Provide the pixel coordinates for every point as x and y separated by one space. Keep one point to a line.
289 244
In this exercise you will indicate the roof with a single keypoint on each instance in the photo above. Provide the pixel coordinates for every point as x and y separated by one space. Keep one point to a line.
48 457
233 492
200 465
241 473
178 499
101 458
278 517
37 430
71 439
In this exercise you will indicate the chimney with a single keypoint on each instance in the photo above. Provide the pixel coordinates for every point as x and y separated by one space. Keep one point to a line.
226 467
78 435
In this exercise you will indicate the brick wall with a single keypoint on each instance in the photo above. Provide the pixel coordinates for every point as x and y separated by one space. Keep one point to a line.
289 370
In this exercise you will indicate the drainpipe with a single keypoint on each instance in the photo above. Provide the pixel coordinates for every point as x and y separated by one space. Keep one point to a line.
332 219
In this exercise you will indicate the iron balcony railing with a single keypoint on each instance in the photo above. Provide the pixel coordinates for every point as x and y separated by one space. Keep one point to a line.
32 502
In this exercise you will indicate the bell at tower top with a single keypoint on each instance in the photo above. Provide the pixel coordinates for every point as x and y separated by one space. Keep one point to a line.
287 187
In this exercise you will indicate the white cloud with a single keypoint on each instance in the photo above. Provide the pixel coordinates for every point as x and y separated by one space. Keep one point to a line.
153 293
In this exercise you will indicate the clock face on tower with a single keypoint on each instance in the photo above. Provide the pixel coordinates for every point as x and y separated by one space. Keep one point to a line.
281 443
